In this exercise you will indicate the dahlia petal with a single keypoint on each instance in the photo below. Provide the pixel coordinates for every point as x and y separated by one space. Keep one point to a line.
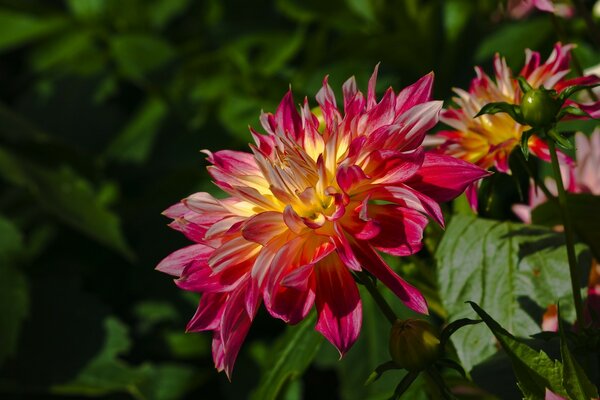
401 229
233 162
287 117
348 177
218 352
472 196
263 227
410 198
444 177
415 123
344 250
371 96
192 231
293 220
209 313
550 395
293 303
391 167
175 263
234 251
381 114
340 317
234 326
417 93
373 262
349 91
177 210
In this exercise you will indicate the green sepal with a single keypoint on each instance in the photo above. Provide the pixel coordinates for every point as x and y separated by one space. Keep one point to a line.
524 85
525 142
559 139
568 92
376 374
448 362
572 110
453 327
502 107
404 385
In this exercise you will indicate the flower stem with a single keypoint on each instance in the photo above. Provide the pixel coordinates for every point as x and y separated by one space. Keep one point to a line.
538 182
379 299
566 219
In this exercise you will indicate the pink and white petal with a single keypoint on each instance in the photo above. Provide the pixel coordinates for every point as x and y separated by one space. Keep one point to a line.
443 177
371 95
175 263
177 210
401 229
407 197
292 304
234 327
287 117
218 352
344 249
349 176
373 262
209 312
415 123
417 93
263 227
472 194
552 396
234 251
340 316
392 167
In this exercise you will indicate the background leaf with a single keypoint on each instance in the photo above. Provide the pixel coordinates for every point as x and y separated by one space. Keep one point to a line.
513 270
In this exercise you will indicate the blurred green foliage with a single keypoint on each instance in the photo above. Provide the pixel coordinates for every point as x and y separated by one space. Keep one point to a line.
104 105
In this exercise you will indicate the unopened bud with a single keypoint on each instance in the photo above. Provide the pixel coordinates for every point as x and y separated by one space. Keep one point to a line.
540 107
414 344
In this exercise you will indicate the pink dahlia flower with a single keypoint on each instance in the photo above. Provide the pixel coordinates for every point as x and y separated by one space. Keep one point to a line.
583 177
489 139
518 9
312 203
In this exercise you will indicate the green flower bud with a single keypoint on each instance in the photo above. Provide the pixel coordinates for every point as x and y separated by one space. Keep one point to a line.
539 107
414 344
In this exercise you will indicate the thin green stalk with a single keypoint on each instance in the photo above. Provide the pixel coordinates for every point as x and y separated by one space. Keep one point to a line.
567 223
379 299
538 182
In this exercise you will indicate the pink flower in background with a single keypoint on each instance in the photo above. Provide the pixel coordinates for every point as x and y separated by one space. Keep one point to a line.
550 395
518 9
488 140
583 177
312 203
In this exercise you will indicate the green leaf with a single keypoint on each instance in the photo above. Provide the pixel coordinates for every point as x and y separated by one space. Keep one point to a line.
291 355
506 267
501 107
134 143
161 12
139 54
583 209
14 291
18 29
534 370
576 383
106 372
68 196
87 9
